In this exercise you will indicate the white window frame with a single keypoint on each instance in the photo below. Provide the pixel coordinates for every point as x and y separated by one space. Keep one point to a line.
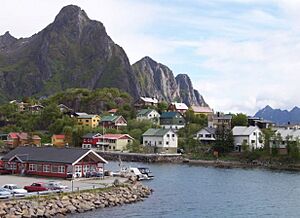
32 167
61 169
46 169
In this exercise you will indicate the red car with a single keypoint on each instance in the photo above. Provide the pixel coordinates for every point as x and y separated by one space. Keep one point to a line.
36 187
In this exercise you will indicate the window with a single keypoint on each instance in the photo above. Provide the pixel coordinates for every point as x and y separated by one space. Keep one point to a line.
114 147
167 143
32 167
168 135
173 135
254 133
160 142
245 141
200 135
61 169
87 121
46 168
252 141
207 135
146 142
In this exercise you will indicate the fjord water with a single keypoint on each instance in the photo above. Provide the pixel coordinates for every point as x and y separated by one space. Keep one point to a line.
195 191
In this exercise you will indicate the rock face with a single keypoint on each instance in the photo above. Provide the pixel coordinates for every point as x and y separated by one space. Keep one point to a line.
156 79
279 116
75 51
186 91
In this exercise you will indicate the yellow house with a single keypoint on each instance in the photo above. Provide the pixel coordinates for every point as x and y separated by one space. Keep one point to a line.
58 140
88 120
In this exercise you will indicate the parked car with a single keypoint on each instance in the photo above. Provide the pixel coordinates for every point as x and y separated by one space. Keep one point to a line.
36 187
4 171
14 189
4 193
55 185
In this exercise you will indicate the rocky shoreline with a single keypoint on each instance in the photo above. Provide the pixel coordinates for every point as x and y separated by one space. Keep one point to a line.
76 202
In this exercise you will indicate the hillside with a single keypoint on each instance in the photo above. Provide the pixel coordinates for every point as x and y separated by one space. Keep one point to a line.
76 52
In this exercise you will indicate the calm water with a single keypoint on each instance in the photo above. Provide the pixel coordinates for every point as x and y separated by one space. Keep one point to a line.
194 191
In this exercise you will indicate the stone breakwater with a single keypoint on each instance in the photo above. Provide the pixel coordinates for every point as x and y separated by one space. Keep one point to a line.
137 157
61 205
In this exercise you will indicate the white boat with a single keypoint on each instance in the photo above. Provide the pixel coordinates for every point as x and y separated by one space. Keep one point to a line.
142 173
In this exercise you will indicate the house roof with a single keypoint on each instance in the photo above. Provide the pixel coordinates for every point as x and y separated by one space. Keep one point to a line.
80 113
210 130
91 135
59 136
243 130
200 109
223 117
156 132
180 106
88 116
50 154
170 114
150 100
144 112
288 132
110 118
114 110
116 136
22 135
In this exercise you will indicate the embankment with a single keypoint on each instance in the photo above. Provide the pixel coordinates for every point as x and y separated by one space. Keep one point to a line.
136 157
68 203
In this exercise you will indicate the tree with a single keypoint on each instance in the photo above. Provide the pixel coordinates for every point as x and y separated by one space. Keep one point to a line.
68 132
239 119
224 140
162 106
268 134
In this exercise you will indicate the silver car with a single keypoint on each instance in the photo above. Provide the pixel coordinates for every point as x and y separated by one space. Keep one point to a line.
4 193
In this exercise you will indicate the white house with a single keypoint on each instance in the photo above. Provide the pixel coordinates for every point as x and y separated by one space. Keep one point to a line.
283 137
148 114
251 136
160 140
206 135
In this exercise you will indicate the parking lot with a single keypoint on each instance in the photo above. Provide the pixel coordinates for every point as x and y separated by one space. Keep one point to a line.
78 184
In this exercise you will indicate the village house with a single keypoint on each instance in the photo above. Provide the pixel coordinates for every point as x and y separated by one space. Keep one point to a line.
110 142
221 121
88 120
53 162
112 111
63 108
15 139
160 141
261 123
206 135
90 140
113 122
250 137
35 109
172 120
179 107
58 140
282 138
143 102
203 110
148 114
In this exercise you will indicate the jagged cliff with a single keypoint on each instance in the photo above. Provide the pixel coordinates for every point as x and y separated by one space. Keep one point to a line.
75 51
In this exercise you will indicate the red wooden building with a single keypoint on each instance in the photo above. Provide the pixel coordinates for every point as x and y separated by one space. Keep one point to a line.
53 162
90 140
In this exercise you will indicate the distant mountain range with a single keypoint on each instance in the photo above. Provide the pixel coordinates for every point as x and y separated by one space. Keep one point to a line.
75 51
279 116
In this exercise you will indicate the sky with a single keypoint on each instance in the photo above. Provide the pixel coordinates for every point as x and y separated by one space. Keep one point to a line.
240 54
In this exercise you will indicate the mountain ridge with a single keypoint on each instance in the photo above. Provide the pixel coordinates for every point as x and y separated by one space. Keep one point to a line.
76 52
279 116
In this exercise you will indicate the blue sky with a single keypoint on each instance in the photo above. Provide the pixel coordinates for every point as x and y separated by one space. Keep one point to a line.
240 54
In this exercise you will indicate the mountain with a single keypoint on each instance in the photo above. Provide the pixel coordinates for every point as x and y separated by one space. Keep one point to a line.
75 51
280 116
156 79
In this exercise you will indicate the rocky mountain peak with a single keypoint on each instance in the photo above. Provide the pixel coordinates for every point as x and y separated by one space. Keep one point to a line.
6 40
71 13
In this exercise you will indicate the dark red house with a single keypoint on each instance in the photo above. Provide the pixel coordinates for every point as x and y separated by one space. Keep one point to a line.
90 140
53 162
113 122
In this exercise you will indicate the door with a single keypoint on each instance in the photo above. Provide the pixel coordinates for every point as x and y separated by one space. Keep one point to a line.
78 171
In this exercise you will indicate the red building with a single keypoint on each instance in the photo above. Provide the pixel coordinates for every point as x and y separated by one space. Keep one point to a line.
90 140
113 122
53 162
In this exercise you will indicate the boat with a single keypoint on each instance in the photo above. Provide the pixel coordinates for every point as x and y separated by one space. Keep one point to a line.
142 173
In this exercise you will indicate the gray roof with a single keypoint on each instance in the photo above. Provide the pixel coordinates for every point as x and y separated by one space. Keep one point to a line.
210 130
47 154
243 130
144 112
156 132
